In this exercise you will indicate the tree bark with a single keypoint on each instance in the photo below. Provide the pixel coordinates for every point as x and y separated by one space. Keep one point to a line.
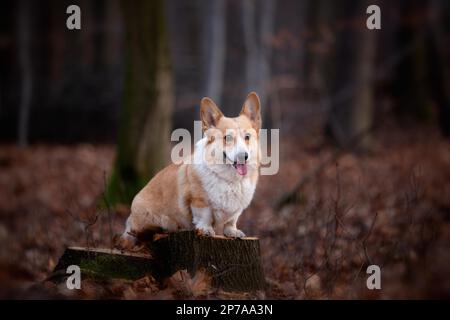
113 38
351 105
24 43
214 48
233 264
257 40
144 134
410 90
104 264
438 63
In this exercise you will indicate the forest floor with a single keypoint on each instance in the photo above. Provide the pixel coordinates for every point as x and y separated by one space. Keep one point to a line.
389 207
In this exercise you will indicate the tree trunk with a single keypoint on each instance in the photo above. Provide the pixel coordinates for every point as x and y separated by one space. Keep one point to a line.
438 62
214 48
409 87
148 101
103 264
232 264
24 43
257 40
112 47
87 41
351 102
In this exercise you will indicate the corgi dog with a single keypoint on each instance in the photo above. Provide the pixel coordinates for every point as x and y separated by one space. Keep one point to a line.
210 189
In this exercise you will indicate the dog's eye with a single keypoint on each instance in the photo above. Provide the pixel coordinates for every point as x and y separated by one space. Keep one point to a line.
228 138
247 137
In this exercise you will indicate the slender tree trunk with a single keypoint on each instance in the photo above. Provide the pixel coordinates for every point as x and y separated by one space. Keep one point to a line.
87 41
56 50
318 64
111 53
438 62
214 48
24 43
145 126
351 102
258 30
411 92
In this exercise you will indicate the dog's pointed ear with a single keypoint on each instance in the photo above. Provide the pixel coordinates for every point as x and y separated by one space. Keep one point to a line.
252 109
210 114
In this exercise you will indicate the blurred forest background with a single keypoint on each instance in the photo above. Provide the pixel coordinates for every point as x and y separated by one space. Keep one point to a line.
364 119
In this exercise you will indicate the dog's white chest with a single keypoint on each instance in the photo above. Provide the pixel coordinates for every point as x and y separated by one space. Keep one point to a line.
227 196
231 197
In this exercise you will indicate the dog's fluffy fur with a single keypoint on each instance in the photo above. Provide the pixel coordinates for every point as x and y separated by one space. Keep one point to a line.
203 193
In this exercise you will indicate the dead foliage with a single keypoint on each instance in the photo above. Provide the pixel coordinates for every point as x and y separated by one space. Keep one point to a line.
388 207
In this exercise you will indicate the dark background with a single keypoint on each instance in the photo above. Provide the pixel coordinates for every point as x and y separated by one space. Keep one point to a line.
77 76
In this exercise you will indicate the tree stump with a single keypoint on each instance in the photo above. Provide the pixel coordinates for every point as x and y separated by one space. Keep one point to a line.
105 263
233 264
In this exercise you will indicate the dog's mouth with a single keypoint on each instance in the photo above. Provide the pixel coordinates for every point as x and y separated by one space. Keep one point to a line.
241 167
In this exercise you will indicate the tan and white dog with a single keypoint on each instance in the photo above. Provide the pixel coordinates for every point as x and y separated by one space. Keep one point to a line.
208 191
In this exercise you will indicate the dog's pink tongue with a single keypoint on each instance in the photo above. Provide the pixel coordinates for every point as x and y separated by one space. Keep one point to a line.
241 169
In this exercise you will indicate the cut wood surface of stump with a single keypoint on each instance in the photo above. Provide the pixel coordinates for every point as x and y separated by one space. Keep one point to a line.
232 264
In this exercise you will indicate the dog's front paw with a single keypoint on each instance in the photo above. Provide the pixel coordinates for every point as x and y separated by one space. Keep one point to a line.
233 233
205 231
125 241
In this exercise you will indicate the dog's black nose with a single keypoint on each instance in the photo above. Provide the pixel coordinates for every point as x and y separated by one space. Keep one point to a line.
242 157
